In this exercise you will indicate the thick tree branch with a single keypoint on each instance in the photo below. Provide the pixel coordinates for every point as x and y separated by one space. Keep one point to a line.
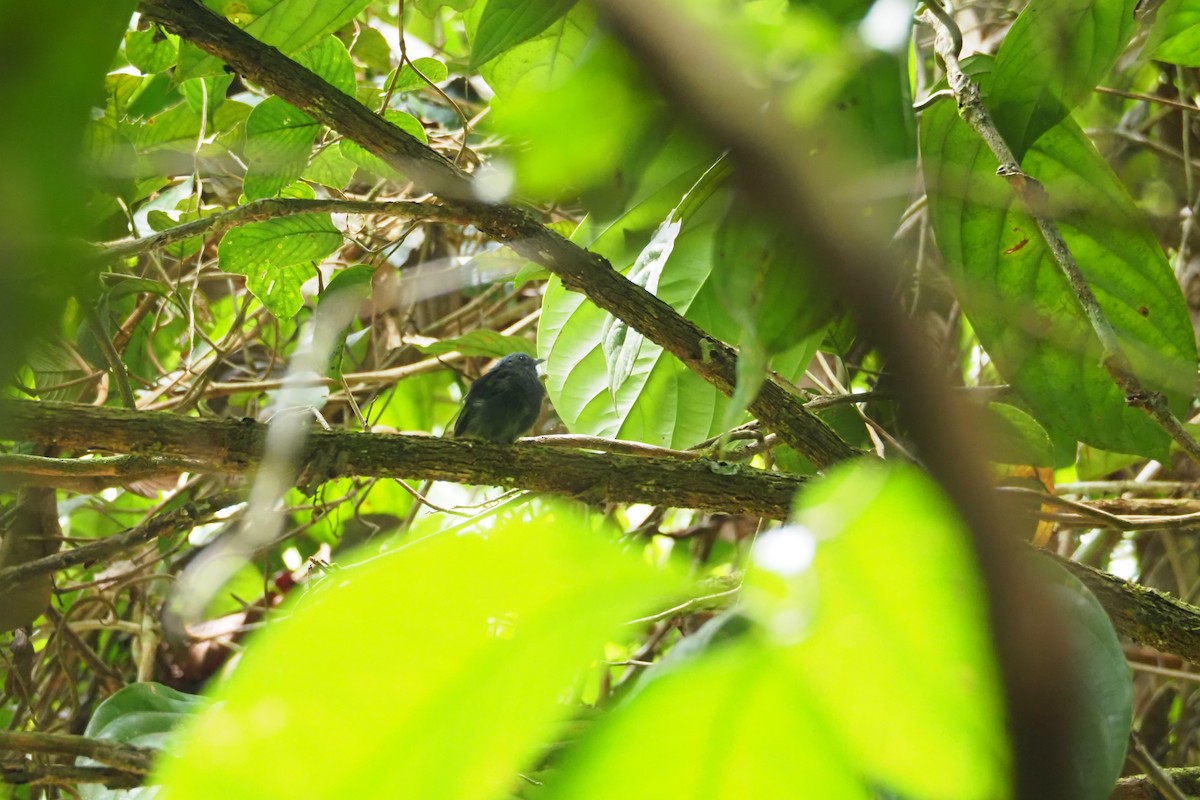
235 447
779 408
1145 615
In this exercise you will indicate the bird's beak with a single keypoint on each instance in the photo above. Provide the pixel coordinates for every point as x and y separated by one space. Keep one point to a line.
539 361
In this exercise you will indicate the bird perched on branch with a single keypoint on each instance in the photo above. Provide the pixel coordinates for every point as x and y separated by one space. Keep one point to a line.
504 402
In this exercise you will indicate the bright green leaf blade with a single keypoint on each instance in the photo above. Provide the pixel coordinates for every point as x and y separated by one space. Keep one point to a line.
151 50
1014 437
894 583
507 23
1175 37
1104 699
330 168
287 25
277 256
661 402
1021 306
329 59
419 74
279 140
175 129
545 58
1051 58
459 643
279 136
734 725
278 242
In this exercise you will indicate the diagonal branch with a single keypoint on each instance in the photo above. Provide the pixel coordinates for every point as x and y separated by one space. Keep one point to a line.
777 406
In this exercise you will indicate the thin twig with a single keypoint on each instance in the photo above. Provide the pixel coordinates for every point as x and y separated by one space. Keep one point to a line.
188 516
1139 755
269 208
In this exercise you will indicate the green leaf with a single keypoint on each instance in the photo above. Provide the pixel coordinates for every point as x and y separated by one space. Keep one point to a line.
329 59
279 140
1019 303
177 128
143 715
372 50
469 642
576 122
892 581
621 343
434 71
546 58
734 725
206 94
151 50
507 23
1175 37
661 402
287 25
277 256
1104 695
1017 438
772 292
1051 59
330 168
481 343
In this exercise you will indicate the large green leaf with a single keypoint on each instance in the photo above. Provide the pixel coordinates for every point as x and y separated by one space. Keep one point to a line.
1051 58
660 401
454 650
287 25
1175 37
277 256
1104 696
505 24
279 140
895 645
734 725
279 136
143 715
1021 306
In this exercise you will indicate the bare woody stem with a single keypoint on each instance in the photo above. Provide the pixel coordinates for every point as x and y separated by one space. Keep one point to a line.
269 208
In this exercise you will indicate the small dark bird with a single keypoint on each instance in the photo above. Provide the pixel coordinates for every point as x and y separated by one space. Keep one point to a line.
504 403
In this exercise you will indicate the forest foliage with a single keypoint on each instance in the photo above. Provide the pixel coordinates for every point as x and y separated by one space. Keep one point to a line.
832 324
